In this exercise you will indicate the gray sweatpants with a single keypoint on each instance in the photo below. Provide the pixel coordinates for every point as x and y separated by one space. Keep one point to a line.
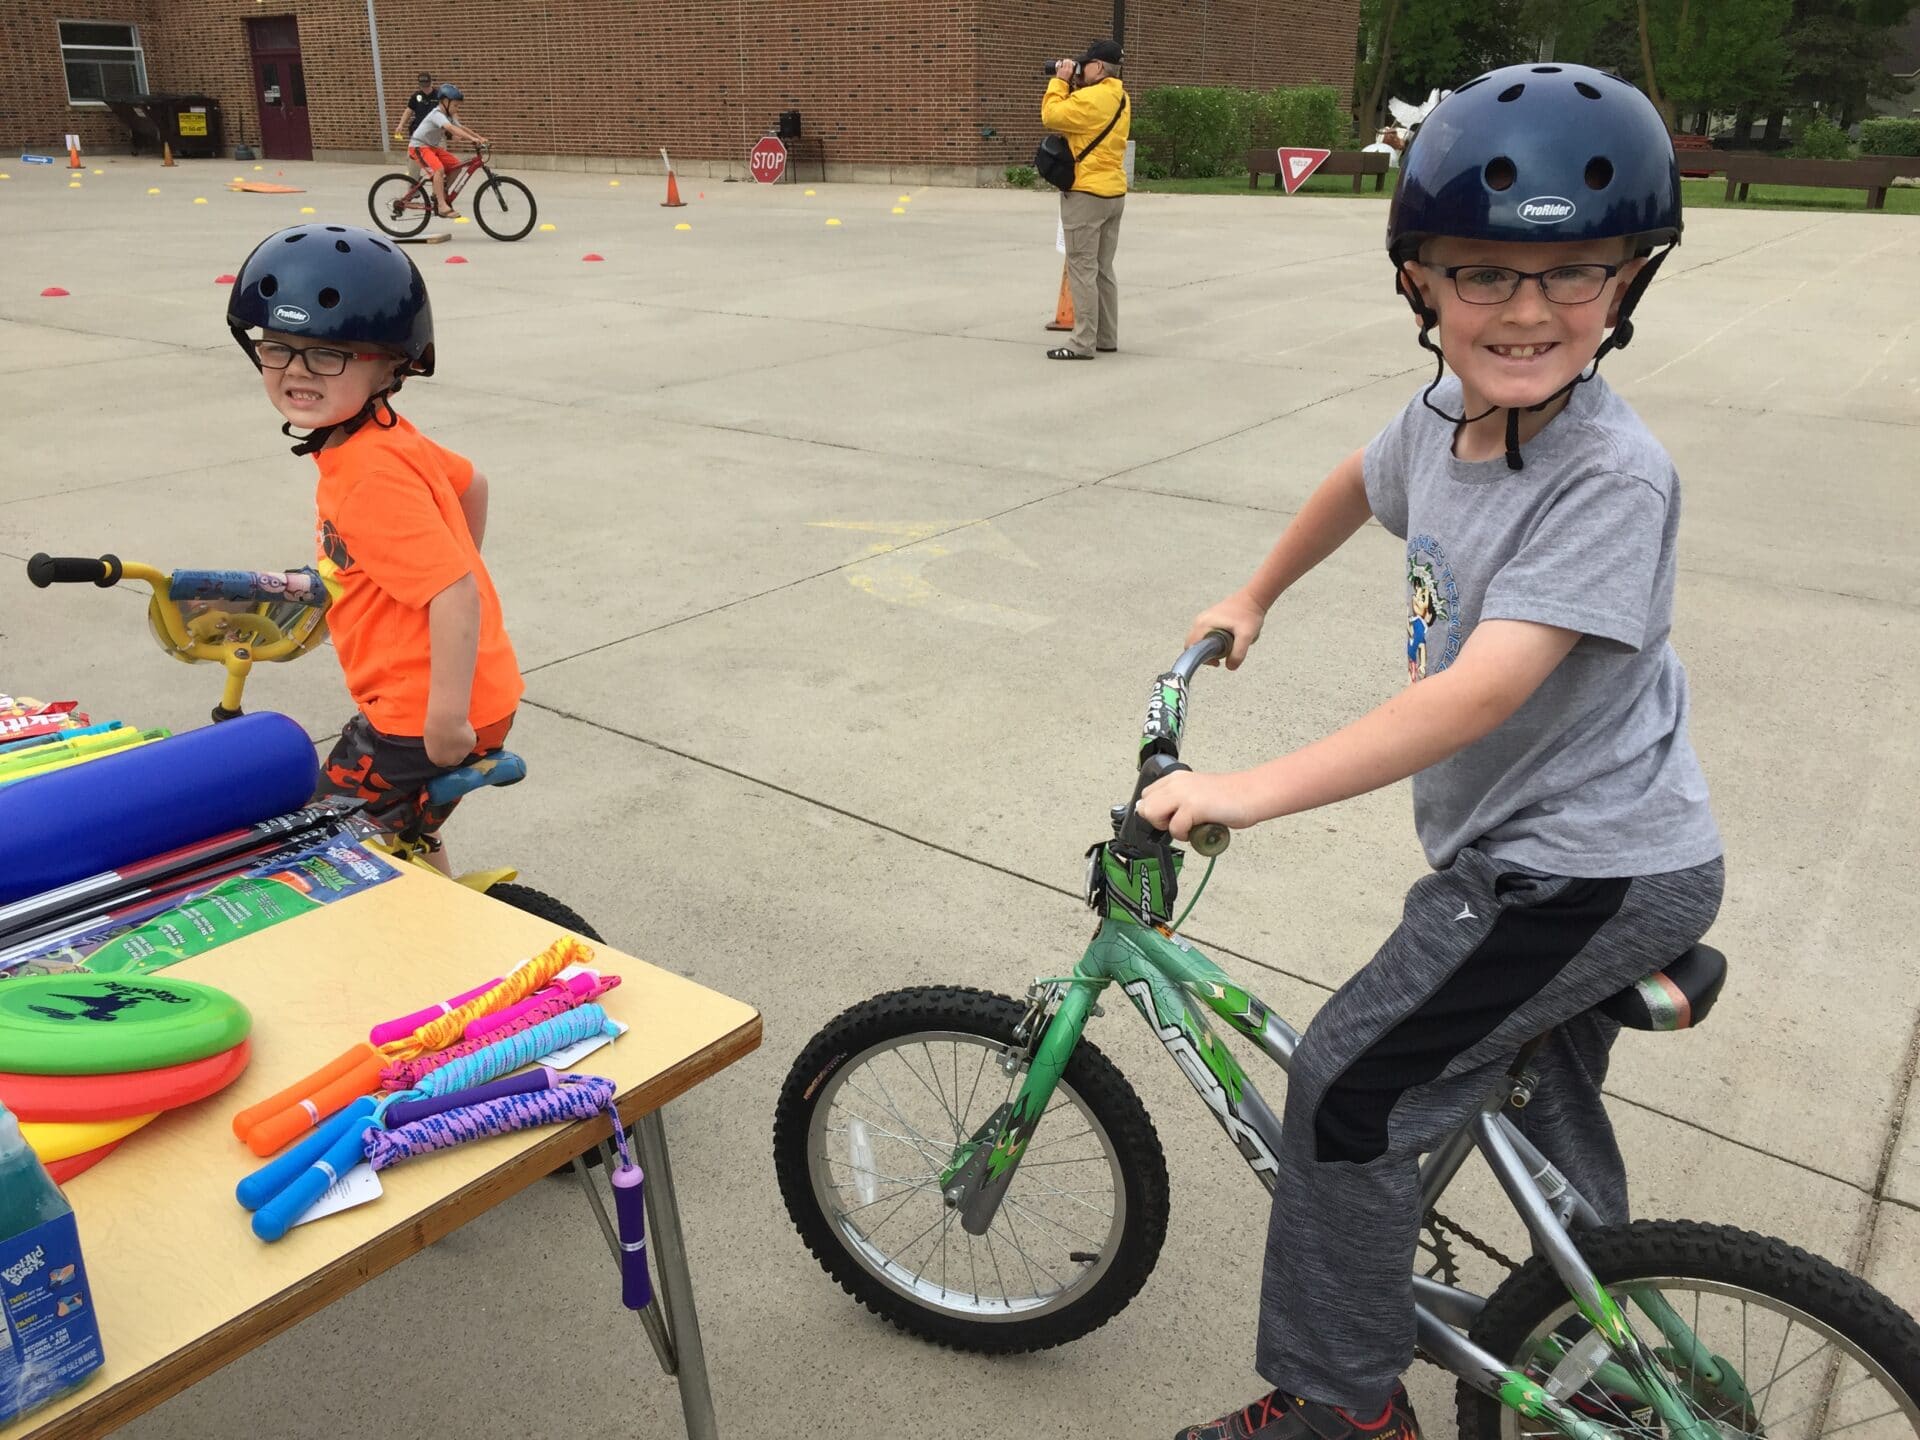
1092 225
1486 957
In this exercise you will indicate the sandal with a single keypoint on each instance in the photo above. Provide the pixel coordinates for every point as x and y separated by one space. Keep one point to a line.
1063 353
448 214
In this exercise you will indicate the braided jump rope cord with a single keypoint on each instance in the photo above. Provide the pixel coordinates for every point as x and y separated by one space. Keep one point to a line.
510 1054
579 1097
406 1074
523 982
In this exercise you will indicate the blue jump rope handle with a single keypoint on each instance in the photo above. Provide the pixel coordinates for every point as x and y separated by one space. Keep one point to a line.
276 1217
273 1177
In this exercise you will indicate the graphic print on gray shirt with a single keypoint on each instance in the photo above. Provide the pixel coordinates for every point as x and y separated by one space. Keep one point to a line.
1594 774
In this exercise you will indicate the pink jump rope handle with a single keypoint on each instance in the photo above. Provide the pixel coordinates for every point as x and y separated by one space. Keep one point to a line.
636 1283
574 985
387 1033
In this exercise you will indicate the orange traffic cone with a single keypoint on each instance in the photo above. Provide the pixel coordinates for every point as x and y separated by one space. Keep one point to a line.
1063 312
73 157
673 200
166 154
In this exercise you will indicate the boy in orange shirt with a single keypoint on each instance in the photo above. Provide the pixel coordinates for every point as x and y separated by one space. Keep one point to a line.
344 319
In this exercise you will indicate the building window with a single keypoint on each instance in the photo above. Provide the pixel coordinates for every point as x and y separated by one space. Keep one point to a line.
101 61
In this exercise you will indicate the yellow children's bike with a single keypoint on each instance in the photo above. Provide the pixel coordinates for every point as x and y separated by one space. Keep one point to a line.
239 618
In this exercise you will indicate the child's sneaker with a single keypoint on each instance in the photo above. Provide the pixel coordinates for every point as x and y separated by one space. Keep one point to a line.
1280 1416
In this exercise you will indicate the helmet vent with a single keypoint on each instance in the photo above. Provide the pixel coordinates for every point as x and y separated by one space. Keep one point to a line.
1586 89
1471 83
1512 92
1546 69
343 247
269 284
297 235
382 245
1599 173
338 229
1500 173
329 298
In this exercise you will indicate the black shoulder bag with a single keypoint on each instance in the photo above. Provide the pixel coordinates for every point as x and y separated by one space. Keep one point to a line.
1056 163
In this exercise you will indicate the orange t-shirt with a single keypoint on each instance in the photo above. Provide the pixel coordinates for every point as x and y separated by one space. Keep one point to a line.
391 537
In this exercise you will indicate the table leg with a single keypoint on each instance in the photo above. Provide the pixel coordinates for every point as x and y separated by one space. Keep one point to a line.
676 1280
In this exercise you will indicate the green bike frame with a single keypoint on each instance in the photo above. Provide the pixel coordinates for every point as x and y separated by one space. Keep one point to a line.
1132 884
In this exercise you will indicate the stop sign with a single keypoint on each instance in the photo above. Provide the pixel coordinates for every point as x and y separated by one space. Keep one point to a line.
768 160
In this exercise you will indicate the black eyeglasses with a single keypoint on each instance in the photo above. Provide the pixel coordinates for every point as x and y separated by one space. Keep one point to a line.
319 359
1496 284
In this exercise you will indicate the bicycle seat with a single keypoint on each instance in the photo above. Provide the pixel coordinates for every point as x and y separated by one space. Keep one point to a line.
1676 997
503 767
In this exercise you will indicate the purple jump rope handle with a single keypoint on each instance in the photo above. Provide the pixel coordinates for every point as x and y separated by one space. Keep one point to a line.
403 1112
636 1283
390 1030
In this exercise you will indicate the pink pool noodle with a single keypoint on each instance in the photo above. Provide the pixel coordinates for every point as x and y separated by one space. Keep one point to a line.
577 986
391 1030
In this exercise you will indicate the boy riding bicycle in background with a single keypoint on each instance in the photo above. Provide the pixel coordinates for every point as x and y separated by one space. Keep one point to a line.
1555 792
428 145
344 319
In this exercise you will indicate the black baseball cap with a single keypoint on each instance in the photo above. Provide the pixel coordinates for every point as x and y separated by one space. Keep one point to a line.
1107 52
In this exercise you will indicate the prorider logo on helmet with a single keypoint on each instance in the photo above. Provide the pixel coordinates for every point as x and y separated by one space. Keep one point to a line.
1546 210
290 315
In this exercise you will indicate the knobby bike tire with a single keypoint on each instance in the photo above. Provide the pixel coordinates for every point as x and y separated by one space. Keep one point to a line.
1689 1250
1093 1077
407 222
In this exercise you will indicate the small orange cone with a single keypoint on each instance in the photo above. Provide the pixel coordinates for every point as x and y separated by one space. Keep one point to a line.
166 154
673 200
73 158
1063 312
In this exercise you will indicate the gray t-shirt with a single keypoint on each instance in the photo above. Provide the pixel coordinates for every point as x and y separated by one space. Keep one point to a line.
432 129
1593 775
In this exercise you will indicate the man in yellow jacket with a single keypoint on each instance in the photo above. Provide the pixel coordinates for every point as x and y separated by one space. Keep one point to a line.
1090 211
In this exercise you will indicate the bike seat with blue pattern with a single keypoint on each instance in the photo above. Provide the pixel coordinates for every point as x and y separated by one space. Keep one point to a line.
1675 997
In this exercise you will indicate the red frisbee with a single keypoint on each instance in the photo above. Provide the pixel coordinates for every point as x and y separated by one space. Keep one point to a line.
70 1099
64 1170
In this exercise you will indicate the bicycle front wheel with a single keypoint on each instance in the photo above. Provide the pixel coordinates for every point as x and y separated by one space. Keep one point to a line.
504 207
1759 1338
875 1108
398 206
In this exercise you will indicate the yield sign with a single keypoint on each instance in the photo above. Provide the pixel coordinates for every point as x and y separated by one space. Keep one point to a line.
1296 165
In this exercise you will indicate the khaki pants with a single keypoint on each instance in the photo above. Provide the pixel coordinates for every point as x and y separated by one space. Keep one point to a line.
1092 224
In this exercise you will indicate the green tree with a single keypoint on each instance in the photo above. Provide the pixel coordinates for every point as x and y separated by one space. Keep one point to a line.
1838 52
1409 47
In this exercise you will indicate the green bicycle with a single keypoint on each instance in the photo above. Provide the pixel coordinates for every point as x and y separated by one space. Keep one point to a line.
974 1171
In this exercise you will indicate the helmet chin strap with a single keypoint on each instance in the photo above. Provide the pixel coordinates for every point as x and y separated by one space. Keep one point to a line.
317 439
1620 338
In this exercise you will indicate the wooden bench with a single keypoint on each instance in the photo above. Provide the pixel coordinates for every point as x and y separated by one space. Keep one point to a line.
1698 159
1357 163
1872 174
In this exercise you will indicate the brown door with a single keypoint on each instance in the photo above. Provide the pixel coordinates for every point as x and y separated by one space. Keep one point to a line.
280 88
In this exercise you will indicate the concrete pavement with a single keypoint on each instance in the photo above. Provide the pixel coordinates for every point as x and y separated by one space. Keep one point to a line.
839 606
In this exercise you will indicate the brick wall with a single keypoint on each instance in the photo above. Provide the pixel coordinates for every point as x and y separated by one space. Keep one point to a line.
880 81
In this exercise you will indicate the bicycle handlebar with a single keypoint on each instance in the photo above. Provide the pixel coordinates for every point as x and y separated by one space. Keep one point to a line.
44 570
1160 747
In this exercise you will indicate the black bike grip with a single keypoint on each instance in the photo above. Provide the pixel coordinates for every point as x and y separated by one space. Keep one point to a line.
44 570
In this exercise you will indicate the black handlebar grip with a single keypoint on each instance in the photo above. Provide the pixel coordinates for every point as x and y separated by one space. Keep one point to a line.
44 570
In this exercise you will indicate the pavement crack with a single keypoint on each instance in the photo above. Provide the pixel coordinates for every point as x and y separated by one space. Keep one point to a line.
1889 1154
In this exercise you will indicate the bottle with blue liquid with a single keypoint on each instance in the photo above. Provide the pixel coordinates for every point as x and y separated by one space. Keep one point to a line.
49 1339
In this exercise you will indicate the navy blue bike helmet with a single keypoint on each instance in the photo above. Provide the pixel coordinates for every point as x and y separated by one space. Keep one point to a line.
451 92
1533 153
340 284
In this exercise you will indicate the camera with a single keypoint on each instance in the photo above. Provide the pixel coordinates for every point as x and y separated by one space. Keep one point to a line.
1048 67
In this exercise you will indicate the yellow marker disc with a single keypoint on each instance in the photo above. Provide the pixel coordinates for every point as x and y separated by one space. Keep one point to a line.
810 192
199 199
73 184
899 209
905 198
683 226
614 183
547 226
153 189
833 222
99 172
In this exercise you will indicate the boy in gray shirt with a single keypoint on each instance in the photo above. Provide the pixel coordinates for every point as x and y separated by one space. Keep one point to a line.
1545 723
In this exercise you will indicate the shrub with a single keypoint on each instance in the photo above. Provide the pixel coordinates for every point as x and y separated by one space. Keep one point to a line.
1022 177
1890 135
1211 127
1821 139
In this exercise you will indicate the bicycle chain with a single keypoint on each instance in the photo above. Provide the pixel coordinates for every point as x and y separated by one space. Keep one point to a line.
1441 1225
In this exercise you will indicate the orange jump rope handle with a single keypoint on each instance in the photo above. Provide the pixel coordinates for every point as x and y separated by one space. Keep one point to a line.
297 1119
244 1122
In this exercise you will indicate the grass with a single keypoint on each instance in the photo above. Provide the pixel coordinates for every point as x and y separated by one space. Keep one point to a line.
1709 194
